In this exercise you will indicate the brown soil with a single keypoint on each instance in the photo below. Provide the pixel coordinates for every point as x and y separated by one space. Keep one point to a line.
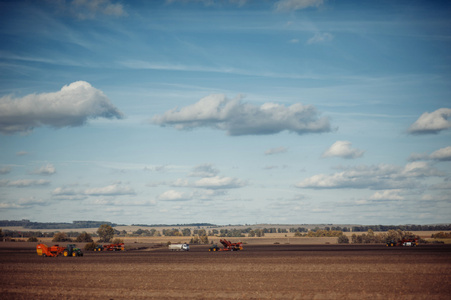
257 272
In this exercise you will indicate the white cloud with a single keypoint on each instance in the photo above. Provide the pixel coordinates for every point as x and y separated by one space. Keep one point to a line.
320 38
5 170
430 123
73 105
205 170
23 203
172 195
388 195
443 154
20 183
276 150
291 5
343 149
378 177
219 182
236 118
110 190
48 169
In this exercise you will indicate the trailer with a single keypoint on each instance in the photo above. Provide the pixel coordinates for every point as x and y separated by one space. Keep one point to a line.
56 250
114 247
179 247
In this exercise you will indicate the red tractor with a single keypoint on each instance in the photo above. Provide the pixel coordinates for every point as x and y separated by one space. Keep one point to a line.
228 246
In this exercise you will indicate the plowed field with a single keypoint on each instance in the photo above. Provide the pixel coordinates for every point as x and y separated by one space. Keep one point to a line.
257 272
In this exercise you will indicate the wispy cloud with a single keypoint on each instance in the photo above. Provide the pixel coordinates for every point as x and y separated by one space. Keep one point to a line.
320 37
48 169
292 5
116 189
89 9
378 177
23 183
277 150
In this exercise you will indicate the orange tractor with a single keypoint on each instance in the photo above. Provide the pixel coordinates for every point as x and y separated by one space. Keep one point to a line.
56 250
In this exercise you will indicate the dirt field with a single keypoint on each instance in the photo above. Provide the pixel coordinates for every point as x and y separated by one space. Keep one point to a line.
258 272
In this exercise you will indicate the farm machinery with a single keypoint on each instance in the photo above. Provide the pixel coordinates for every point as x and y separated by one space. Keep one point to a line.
228 246
110 247
403 243
56 250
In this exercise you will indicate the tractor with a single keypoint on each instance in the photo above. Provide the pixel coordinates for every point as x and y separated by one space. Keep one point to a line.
72 250
56 250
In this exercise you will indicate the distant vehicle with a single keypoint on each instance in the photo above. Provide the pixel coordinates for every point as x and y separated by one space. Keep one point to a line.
229 246
403 243
214 248
179 247
56 250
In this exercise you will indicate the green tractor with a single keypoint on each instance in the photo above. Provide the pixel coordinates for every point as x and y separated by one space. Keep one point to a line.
72 250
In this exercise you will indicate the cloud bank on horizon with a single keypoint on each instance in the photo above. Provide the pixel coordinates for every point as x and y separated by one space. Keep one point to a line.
122 112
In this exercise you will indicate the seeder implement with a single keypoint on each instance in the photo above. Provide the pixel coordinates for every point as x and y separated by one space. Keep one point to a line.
228 246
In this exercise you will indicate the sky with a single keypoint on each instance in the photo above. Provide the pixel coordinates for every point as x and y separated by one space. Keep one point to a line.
226 112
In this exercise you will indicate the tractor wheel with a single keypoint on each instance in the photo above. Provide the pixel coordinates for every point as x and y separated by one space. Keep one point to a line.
74 254
66 253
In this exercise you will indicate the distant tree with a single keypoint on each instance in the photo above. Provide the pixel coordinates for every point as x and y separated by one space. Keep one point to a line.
251 233
32 239
91 246
61 237
106 233
84 237
117 241
343 239
186 232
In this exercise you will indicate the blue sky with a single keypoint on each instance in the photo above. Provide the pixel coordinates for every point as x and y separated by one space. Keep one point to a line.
229 112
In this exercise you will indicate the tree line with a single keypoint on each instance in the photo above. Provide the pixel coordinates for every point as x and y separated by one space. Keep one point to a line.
54 225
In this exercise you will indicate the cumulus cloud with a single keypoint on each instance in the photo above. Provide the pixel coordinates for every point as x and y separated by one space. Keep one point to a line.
48 169
443 154
378 177
237 118
387 195
21 183
110 190
276 150
73 105
205 170
343 149
432 123
320 38
291 5
218 182
172 195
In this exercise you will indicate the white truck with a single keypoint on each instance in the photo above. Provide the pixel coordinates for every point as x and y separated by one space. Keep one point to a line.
179 247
